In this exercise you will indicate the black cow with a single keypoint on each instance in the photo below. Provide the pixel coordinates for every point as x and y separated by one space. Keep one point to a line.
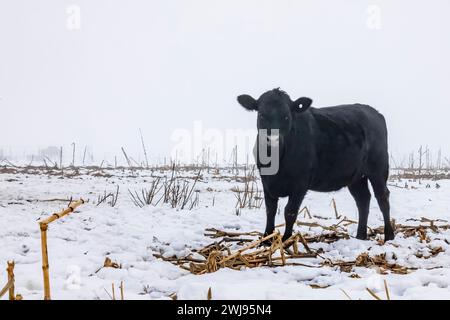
322 150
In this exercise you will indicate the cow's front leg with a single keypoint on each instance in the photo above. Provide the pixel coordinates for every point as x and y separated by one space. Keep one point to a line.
291 213
271 211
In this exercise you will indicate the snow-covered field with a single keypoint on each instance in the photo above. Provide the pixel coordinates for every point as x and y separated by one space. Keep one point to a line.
129 235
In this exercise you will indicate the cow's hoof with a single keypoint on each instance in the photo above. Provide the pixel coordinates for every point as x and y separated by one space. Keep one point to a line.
389 236
361 236
266 243
285 237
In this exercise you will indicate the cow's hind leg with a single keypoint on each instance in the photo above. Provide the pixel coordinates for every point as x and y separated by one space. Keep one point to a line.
382 194
360 192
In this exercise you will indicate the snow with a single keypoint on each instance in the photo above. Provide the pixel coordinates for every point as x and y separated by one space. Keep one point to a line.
79 243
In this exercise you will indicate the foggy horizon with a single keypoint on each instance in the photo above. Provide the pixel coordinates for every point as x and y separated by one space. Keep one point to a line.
149 151
163 66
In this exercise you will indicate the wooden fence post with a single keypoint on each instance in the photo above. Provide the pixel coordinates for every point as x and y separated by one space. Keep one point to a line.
44 227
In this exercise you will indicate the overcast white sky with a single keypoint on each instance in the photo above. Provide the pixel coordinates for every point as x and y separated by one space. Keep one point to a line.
161 65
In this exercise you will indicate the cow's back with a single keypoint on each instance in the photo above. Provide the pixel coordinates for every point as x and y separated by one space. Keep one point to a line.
349 141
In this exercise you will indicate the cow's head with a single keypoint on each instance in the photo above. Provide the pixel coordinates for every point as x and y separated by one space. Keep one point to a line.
276 111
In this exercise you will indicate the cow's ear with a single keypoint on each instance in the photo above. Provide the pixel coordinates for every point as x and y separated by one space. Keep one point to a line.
301 104
247 102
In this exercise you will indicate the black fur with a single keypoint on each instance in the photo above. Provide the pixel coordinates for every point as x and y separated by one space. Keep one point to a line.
323 150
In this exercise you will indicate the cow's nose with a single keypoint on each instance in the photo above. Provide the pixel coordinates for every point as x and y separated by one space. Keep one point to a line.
273 140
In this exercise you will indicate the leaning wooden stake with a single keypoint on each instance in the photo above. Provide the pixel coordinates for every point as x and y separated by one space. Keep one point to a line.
44 227
10 271
9 287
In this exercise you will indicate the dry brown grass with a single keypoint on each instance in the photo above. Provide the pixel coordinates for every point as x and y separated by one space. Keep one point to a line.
248 250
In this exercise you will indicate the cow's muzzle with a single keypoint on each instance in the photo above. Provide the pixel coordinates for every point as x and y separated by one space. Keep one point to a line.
273 140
